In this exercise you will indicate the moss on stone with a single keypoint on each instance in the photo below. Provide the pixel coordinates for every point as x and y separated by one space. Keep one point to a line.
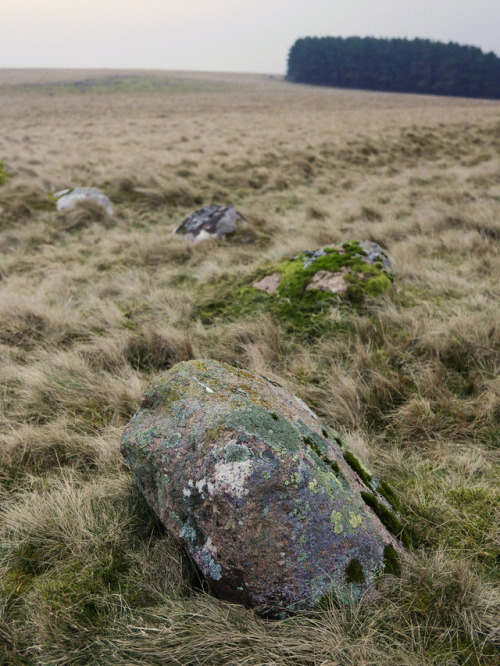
354 464
299 309
388 518
297 273
354 572
388 494
331 463
392 564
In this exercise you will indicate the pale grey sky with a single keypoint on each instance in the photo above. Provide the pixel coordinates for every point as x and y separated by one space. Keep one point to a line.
221 35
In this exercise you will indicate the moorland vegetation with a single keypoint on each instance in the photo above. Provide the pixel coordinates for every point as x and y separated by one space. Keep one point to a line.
92 307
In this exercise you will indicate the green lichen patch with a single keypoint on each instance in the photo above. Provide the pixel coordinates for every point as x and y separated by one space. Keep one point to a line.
354 572
237 453
255 420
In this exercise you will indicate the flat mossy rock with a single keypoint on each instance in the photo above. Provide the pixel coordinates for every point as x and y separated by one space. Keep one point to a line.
67 199
210 222
269 503
301 291
352 269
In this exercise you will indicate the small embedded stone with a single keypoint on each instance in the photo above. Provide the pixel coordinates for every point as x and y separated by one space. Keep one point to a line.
328 281
269 283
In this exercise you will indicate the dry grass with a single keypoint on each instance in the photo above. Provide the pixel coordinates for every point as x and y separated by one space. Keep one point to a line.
91 307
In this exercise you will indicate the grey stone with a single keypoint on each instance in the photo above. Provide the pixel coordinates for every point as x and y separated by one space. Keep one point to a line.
265 498
375 254
210 222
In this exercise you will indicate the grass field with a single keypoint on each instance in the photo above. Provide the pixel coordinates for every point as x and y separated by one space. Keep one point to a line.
92 307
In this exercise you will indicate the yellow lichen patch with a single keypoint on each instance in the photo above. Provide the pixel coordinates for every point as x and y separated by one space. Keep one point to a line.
336 518
356 519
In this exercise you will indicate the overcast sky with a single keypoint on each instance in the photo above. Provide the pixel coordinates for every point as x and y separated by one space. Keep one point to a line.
221 35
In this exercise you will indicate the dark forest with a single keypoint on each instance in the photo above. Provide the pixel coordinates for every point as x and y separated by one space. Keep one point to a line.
395 65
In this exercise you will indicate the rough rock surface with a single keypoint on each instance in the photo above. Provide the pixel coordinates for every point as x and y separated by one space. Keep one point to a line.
66 199
351 268
266 499
210 222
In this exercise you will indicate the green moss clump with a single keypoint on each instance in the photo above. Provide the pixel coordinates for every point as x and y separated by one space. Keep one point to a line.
389 519
354 464
392 564
388 494
5 173
328 601
354 572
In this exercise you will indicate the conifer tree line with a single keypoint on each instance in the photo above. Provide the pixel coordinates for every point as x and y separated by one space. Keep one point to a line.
395 65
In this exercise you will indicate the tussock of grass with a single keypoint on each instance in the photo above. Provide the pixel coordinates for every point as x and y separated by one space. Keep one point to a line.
91 308
84 213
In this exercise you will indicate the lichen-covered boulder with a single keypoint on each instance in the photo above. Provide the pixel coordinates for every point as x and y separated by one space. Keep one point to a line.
270 504
352 268
67 199
210 222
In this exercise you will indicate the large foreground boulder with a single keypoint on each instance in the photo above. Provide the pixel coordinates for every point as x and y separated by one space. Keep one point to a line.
67 199
210 222
270 504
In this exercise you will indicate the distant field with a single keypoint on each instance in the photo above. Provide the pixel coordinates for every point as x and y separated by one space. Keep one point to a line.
92 307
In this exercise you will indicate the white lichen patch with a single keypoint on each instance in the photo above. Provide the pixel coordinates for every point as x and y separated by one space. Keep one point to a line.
209 546
204 486
230 477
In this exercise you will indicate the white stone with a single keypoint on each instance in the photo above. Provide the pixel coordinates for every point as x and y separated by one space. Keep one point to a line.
66 199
